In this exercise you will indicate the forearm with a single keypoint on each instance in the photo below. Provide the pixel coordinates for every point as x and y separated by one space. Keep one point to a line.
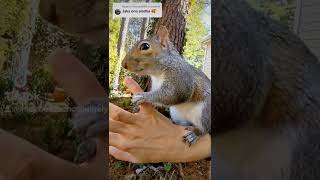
199 150
80 83
22 160
182 152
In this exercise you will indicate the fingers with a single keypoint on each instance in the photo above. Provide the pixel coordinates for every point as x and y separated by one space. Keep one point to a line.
121 141
116 126
122 155
74 77
134 87
118 114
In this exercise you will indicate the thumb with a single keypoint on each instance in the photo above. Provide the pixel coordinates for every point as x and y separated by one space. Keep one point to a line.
122 155
134 87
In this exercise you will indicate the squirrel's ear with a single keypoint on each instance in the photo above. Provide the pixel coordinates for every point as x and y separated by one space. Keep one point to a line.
163 36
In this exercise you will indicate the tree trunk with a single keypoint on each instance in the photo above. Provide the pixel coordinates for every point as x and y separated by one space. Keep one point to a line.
174 18
20 60
144 26
120 50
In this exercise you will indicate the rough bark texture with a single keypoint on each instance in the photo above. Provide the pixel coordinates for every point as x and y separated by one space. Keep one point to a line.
265 77
144 26
174 18
120 50
24 41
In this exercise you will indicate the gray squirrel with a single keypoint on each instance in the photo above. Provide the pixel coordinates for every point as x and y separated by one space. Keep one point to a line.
174 83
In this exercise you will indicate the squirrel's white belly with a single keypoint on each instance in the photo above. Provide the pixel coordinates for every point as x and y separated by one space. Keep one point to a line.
156 82
190 111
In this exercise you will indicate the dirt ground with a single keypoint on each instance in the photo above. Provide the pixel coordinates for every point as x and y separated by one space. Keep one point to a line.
49 131
188 171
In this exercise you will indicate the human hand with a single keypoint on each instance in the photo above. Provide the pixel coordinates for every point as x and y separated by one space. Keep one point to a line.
150 137
89 120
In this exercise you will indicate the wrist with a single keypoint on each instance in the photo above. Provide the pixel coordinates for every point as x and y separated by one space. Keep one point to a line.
200 150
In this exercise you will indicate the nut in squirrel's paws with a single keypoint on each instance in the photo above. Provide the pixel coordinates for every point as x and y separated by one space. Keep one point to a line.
192 136
137 99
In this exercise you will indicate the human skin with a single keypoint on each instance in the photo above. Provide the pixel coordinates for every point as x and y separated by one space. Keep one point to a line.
150 137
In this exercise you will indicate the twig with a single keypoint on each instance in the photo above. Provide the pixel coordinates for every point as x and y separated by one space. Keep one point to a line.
129 167
172 174
181 171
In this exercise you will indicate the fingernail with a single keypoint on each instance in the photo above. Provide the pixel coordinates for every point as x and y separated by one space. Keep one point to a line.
126 80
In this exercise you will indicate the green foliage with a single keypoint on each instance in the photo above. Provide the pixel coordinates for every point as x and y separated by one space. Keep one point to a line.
114 28
55 130
284 13
12 16
167 167
195 32
5 86
19 111
119 165
40 82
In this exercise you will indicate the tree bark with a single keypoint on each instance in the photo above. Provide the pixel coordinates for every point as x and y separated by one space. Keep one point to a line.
24 41
120 50
144 26
174 18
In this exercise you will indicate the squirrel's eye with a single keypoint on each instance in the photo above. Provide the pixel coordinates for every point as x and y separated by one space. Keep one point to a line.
144 46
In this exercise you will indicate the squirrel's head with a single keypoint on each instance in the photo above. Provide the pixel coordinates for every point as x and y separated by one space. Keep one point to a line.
145 56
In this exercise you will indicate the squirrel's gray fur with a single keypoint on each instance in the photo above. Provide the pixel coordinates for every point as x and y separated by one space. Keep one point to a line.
182 83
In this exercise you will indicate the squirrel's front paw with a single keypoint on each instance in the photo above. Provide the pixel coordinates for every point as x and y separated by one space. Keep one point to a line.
138 99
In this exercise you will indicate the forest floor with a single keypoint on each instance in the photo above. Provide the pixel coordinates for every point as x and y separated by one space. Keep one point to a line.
48 131
198 170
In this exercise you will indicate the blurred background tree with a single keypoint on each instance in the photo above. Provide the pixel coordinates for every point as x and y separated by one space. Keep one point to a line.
12 16
195 31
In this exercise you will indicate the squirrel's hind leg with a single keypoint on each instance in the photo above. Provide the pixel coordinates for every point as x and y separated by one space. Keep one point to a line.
192 136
